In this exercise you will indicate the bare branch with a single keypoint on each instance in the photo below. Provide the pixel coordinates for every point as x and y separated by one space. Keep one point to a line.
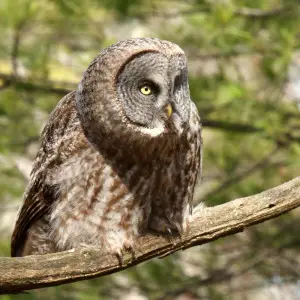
16 47
207 224
217 54
231 126
259 13
208 8
56 87
18 30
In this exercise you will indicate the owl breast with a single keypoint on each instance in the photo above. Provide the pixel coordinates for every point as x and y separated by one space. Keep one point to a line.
101 205
103 211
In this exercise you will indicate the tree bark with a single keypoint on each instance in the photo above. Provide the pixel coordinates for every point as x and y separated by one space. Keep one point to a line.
207 224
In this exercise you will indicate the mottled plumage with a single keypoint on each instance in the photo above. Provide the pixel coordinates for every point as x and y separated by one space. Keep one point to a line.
120 156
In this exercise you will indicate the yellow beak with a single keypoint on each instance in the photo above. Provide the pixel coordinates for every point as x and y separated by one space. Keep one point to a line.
169 110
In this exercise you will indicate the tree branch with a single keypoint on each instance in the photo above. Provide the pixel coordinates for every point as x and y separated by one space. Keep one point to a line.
259 13
246 12
207 224
217 54
16 47
40 85
231 126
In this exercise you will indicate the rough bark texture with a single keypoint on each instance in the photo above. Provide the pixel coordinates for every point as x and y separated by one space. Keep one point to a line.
25 273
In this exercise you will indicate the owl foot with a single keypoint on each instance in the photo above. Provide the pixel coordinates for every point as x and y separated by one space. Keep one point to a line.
170 235
165 227
126 254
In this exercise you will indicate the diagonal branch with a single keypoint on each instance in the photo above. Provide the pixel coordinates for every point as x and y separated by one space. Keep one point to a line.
207 224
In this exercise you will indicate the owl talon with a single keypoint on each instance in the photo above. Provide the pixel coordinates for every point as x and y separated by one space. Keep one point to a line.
119 257
130 249
170 235
122 253
169 231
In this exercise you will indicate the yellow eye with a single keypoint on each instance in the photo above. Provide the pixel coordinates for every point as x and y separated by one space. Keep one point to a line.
146 90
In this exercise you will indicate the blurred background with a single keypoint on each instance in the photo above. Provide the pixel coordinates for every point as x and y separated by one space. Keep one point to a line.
244 64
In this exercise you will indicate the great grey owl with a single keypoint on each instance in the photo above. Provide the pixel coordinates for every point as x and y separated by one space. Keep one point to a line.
119 156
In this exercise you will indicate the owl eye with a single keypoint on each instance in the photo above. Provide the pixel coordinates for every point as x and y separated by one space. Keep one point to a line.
146 90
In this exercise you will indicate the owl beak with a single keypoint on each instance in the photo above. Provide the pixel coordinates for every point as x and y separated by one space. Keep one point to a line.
168 110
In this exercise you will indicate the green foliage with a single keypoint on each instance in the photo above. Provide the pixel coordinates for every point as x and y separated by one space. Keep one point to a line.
239 55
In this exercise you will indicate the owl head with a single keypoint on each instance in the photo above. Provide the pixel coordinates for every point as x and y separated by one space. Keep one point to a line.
136 90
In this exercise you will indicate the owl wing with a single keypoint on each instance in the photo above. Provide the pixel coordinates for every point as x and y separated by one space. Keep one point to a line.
59 140
34 207
195 147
